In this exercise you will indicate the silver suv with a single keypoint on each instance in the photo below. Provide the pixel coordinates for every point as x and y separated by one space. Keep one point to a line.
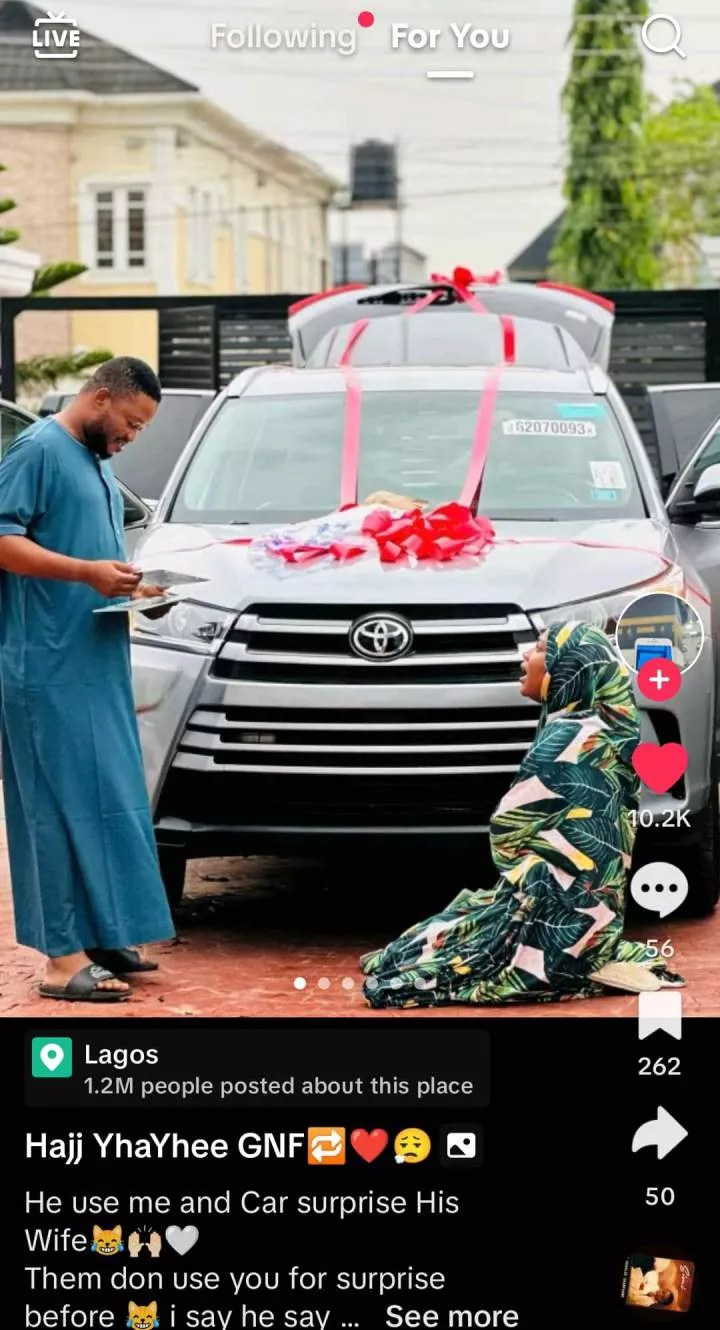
288 709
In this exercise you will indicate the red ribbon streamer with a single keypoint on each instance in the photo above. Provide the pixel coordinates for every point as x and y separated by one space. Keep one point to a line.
350 459
308 553
481 441
343 552
460 284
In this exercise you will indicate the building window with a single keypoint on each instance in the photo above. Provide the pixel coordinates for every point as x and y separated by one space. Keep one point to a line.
136 228
120 229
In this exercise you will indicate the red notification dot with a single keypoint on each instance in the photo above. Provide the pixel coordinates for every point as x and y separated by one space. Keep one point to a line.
366 18
660 679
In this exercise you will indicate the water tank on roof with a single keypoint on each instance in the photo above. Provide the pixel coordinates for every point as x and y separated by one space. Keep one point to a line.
374 174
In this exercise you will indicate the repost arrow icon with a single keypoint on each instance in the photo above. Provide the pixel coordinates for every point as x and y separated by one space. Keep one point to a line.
664 1132
324 1147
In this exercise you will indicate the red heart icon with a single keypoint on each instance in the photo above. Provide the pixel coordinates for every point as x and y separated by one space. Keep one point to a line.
659 766
368 1144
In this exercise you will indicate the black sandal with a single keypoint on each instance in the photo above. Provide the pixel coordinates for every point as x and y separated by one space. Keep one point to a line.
83 987
123 960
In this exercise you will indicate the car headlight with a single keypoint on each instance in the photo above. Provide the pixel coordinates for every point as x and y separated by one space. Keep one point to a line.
606 611
186 624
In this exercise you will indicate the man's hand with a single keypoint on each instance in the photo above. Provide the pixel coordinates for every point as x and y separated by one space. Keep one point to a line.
110 578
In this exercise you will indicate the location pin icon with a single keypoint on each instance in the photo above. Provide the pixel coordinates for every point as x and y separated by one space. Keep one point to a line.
52 1055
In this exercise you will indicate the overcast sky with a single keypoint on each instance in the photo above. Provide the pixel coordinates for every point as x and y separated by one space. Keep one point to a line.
481 160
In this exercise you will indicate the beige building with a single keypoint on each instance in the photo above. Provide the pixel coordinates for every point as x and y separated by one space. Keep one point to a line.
128 169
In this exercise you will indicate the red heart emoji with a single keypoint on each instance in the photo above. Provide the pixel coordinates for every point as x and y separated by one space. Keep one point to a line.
659 766
368 1144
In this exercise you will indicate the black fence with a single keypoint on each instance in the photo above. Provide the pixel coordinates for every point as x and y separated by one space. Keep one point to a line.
203 342
659 337
662 337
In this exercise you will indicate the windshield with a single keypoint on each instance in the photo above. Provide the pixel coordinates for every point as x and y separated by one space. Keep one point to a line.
145 465
277 459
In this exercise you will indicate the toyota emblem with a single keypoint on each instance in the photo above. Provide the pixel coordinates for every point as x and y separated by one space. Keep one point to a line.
381 637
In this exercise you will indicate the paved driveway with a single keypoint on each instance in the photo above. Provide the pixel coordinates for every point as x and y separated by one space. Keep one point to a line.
251 929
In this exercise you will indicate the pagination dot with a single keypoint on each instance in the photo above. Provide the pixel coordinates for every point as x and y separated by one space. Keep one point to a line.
299 982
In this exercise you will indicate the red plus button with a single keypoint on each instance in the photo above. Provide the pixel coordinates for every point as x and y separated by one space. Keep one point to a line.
659 679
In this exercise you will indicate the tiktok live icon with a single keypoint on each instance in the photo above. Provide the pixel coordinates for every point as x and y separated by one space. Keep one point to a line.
56 37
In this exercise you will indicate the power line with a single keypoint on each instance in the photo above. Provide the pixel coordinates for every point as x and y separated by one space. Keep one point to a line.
471 191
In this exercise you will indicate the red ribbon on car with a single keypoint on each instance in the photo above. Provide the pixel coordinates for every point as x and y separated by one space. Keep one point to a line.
454 529
460 282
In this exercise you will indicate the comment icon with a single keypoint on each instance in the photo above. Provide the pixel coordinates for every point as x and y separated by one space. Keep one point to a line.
659 888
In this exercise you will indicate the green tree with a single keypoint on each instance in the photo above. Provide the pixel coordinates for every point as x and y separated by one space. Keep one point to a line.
681 150
608 237
44 371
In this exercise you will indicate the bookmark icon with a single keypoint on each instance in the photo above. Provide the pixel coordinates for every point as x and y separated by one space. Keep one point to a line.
660 1011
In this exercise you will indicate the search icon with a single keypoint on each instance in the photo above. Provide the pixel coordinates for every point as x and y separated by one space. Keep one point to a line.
665 49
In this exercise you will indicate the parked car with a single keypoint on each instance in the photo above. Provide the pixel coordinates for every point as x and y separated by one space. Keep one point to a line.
586 317
269 727
682 414
671 418
145 468
452 340
14 419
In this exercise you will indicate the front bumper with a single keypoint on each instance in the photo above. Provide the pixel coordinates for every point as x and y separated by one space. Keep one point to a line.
210 799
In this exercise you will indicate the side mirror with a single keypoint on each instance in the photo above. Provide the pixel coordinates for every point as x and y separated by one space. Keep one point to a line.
704 501
707 491
135 513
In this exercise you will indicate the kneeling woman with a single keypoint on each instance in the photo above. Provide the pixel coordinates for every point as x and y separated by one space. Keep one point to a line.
561 839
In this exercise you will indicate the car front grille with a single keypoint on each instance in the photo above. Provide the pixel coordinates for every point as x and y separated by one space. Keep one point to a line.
368 762
381 742
311 644
298 802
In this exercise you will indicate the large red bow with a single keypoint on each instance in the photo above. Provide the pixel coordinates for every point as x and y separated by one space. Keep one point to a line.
446 533
464 278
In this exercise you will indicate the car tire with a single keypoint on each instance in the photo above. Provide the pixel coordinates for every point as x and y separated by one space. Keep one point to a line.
173 863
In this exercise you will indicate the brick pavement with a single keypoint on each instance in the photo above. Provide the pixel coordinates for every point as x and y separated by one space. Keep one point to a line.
249 927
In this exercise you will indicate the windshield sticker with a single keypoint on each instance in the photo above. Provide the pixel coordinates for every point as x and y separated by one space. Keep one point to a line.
573 429
580 410
605 496
608 476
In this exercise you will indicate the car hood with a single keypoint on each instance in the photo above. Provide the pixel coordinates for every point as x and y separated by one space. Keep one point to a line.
548 566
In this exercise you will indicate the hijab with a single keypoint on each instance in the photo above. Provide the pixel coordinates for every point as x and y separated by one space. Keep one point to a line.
585 678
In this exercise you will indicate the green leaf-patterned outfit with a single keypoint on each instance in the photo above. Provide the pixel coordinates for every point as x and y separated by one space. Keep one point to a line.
561 840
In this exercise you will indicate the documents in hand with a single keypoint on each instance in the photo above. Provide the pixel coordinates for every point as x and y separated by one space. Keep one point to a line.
161 577
141 603
155 577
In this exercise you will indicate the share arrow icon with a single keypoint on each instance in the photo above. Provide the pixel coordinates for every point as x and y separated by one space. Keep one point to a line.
664 1132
